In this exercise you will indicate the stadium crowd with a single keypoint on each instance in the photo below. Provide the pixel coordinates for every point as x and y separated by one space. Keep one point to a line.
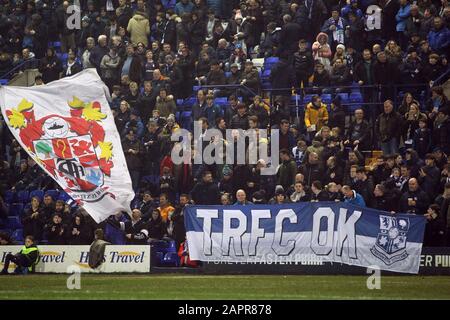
160 58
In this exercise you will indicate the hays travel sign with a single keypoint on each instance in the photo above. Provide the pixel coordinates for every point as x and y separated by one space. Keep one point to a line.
329 231
57 259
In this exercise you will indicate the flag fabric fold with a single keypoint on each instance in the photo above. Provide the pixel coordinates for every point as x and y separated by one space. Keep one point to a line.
67 127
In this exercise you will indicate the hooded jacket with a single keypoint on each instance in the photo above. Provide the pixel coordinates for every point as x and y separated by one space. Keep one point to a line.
165 106
139 28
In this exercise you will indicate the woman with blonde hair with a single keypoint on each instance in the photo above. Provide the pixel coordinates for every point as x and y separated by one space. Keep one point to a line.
411 123
393 52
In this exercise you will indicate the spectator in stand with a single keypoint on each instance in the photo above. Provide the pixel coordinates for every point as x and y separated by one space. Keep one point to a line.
318 193
435 228
139 28
33 219
303 64
340 76
50 66
439 36
415 200
287 170
240 120
206 192
359 132
322 51
165 103
441 130
335 28
56 232
352 197
401 17
155 226
241 198
133 149
96 54
316 116
312 169
387 128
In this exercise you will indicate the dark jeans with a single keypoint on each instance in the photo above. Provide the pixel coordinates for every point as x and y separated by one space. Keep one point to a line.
18 259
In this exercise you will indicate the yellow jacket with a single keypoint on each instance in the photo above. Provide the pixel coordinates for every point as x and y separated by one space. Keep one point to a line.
316 116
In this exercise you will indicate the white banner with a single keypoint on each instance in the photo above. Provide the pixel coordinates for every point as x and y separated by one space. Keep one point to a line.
57 259
67 127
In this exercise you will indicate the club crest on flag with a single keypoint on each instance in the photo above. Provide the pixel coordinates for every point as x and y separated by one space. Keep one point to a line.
71 148
390 245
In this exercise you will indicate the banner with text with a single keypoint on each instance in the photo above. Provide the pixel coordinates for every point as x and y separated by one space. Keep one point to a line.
60 259
329 231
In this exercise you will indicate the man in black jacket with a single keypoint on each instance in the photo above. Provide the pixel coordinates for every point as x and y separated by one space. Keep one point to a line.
312 170
318 194
98 52
303 63
415 200
429 176
206 192
387 128
359 132
136 230
26 258
364 75
289 36
147 101
240 120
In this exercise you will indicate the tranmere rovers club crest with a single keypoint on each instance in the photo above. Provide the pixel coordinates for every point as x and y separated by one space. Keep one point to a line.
390 245
71 148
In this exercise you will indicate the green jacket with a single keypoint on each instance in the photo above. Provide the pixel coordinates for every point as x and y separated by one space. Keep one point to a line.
31 253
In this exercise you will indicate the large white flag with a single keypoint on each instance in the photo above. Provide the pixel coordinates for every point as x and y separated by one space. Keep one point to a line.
67 127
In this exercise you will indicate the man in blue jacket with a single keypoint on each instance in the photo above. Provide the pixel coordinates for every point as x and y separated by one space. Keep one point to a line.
402 16
439 37
350 196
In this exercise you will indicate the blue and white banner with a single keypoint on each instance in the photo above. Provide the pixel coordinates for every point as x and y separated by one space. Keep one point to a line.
328 231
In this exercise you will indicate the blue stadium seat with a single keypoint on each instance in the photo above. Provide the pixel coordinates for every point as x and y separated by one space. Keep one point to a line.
64 196
221 101
227 74
16 209
159 258
188 103
4 82
17 235
186 119
180 102
23 196
355 97
265 75
326 98
177 116
13 223
307 98
153 179
269 62
9 196
37 193
344 97
57 44
53 193
196 88
114 235
171 259
172 247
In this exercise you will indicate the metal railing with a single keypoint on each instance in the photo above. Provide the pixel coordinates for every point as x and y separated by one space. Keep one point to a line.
28 64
